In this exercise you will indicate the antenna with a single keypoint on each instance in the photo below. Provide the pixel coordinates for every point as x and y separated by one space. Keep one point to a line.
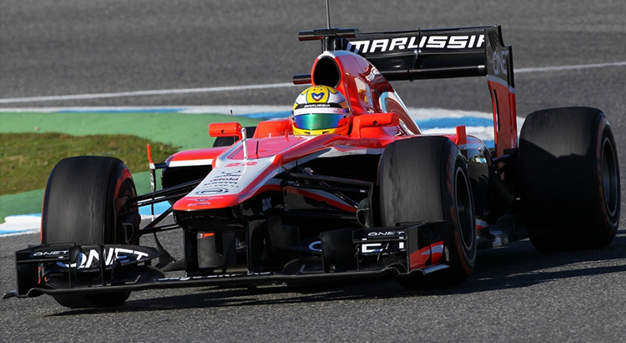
327 35
328 44
328 14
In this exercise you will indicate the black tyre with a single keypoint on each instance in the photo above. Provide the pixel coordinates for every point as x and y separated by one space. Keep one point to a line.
570 179
78 208
426 179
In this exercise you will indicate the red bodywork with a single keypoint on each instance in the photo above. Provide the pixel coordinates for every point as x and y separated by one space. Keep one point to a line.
380 117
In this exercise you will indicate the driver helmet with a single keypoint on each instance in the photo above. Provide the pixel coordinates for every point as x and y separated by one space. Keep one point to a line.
321 110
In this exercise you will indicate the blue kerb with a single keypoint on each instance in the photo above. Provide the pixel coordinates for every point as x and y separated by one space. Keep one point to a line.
453 122
267 115
158 208
138 110
8 232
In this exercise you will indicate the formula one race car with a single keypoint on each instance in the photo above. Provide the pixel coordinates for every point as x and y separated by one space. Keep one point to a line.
346 187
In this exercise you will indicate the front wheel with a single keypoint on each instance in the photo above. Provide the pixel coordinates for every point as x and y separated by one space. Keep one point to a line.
79 208
426 179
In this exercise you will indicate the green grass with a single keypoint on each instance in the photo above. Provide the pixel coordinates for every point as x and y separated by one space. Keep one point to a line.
22 203
33 153
30 202
26 159
188 131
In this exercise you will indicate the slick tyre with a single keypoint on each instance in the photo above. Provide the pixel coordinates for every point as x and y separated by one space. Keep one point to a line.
570 179
78 208
426 179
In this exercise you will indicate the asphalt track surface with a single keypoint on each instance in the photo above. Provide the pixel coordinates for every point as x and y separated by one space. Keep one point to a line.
58 48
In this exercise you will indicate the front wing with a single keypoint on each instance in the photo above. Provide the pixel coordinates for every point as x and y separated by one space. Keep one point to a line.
345 254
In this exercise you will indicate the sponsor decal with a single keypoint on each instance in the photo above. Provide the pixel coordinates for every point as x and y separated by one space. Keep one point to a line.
375 248
317 96
373 74
415 42
385 233
499 62
50 253
317 106
199 204
91 258
241 164
230 178
224 177
220 184
316 246
209 191
370 248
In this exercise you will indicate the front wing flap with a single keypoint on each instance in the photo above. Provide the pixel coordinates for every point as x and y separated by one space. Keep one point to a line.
36 264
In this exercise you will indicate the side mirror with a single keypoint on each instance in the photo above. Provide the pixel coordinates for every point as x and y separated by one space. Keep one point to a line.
225 129
378 119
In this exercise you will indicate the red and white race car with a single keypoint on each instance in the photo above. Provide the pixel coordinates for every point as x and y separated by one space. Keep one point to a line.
347 187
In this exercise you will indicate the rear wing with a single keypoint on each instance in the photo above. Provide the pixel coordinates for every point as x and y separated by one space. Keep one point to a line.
433 54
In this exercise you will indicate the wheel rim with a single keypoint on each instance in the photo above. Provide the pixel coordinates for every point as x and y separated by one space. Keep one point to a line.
609 177
126 190
464 210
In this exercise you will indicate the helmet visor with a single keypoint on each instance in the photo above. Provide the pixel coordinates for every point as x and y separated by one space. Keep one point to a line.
318 121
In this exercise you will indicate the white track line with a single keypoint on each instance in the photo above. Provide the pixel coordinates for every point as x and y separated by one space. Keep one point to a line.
265 86
143 93
574 67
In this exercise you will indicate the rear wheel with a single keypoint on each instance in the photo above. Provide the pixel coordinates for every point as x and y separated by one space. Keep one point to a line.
426 179
570 176
79 208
